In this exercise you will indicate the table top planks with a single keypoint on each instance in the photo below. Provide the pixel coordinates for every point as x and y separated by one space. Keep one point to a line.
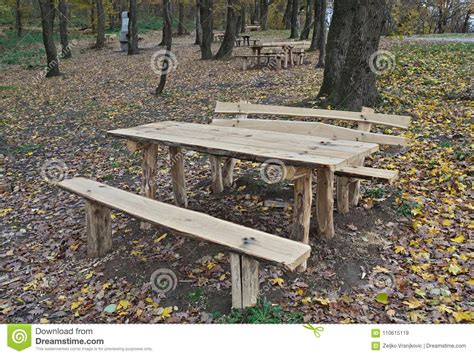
248 144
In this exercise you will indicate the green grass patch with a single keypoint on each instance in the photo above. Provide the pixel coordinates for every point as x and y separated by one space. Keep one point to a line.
263 313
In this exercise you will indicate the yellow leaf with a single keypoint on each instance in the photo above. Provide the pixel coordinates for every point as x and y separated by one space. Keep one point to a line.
454 269
459 239
44 321
89 275
322 301
306 300
75 305
413 303
400 249
210 265
278 281
166 313
106 285
447 222
161 238
463 316
299 291
5 212
123 304
135 253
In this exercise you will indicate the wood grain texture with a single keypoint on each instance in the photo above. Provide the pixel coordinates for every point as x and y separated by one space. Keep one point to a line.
178 177
325 203
98 228
150 152
217 183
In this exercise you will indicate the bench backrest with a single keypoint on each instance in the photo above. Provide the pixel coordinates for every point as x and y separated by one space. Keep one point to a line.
243 108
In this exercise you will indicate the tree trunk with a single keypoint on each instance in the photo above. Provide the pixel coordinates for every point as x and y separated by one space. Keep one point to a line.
206 9
255 14
287 14
198 39
181 28
295 21
166 61
315 36
309 19
225 51
322 4
132 28
93 17
242 19
18 26
263 14
100 41
167 32
63 35
355 86
338 43
46 9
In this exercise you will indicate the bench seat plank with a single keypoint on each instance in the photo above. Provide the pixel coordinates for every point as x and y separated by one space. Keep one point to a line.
367 173
312 129
235 237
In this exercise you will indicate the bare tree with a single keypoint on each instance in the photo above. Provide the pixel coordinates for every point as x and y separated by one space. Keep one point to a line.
206 8
100 41
198 28
295 21
132 28
63 9
18 25
47 9
309 19
227 45
166 64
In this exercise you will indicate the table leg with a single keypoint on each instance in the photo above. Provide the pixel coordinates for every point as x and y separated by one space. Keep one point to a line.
259 51
177 175
325 202
216 173
302 208
150 153
342 192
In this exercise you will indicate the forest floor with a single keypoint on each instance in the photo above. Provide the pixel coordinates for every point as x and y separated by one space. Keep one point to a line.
404 255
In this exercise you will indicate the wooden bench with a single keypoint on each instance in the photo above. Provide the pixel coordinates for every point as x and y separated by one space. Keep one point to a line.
299 54
348 184
273 60
246 245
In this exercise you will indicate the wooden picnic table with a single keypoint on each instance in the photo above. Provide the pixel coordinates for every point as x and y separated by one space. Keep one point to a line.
303 154
286 47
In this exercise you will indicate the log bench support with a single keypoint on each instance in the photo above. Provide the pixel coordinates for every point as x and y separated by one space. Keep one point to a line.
98 229
244 275
150 152
348 189
177 175
325 203
302 208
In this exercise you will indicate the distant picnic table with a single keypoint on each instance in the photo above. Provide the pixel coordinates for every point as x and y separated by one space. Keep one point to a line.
296 151
286 47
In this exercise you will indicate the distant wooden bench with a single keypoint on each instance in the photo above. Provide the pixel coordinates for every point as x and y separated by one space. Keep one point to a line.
348 185
252 27
246 245
276 57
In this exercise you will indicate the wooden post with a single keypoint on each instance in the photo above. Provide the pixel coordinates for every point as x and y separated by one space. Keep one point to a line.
217 184
177 176
325 202
228 171
342 191
354 185
150 152
244 276
99 229
302 208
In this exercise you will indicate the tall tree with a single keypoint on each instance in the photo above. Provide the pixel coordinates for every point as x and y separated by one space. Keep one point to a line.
63 9
309 19
353 38
100 40
227 45
321 13
46 10
287 14
198 27
264 14
242 18
181 14
167 32
132 28
166 64
18 25
295 21
206 9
